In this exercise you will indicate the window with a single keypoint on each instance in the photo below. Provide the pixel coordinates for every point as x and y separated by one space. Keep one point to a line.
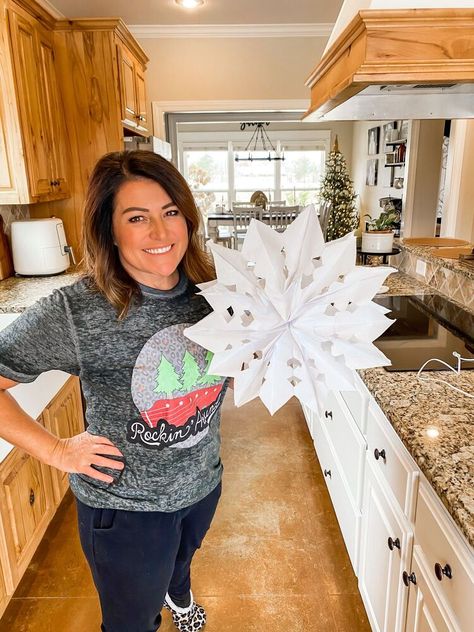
207 175
301 174
206 160
255 175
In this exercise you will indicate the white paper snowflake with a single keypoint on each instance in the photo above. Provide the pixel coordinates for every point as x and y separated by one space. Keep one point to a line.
292 315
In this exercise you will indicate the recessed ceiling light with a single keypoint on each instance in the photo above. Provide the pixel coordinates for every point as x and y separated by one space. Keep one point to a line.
189 4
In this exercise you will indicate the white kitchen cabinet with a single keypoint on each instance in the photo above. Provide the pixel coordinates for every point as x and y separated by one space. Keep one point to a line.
399 503
425 612
347 513
394 464
347 443
385 550
446 561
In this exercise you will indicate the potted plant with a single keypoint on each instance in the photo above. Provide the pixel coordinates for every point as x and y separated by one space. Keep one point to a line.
379 233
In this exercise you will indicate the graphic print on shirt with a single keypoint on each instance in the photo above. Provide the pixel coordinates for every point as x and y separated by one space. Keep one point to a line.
173 391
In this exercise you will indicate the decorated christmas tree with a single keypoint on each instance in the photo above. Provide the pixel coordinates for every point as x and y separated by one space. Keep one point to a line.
167 380
338 190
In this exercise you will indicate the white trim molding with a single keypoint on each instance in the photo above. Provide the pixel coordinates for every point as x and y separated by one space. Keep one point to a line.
160 108
176 31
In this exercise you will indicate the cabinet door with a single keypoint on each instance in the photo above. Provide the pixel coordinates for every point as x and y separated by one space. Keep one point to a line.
425 611
64 418
141 99
26 507
36 136
3 591
127 87
381 565
53 114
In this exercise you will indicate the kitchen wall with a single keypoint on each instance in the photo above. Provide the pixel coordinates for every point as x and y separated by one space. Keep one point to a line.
234 68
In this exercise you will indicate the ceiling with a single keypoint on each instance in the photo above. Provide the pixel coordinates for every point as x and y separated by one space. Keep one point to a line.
212 12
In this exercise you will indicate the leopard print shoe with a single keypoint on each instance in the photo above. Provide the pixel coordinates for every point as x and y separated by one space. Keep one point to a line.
189 619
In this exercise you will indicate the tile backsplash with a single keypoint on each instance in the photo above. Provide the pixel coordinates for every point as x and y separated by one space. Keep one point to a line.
447 277
12 213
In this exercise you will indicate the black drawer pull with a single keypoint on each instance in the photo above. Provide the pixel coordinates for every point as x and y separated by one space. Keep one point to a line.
328 414
379 454
32 497
409 578
327 473
393 544
443 570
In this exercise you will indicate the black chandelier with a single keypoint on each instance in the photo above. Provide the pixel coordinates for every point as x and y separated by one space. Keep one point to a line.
259 135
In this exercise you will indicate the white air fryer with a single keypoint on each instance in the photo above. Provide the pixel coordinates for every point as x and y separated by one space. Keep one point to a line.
39 247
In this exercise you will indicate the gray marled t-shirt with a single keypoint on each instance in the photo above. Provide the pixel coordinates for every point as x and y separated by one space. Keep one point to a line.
145 384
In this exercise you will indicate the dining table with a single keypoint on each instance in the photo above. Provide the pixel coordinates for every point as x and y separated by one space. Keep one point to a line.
214 220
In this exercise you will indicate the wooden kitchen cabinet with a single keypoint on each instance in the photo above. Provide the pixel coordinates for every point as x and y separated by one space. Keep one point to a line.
132 91
32 123
64 418
26 505
30 491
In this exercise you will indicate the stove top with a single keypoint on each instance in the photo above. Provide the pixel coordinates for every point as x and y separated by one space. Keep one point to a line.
426 326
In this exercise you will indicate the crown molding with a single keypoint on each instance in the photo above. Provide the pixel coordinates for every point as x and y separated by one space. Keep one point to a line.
51 9
160 31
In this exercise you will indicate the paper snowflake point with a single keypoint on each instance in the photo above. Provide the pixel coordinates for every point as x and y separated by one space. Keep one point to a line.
293 315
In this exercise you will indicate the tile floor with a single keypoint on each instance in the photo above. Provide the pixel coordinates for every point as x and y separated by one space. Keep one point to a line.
274 559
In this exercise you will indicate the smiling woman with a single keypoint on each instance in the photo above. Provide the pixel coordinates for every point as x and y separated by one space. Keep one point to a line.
149 462
150 233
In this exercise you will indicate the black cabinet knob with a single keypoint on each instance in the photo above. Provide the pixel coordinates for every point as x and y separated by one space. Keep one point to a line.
32 497
409 578
443 570
328 414
379 454
393 544
327 473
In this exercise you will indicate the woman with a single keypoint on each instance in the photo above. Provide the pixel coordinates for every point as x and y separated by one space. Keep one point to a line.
146 474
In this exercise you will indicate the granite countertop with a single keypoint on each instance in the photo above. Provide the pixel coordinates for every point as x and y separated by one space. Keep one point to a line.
412 406
424 252
19 293
434 422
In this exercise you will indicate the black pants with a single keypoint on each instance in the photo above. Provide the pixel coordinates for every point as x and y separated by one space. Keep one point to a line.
136 557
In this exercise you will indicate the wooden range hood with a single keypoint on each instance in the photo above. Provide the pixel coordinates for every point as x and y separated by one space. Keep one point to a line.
397 64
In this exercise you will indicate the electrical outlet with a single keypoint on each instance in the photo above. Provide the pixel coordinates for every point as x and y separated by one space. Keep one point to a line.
420 267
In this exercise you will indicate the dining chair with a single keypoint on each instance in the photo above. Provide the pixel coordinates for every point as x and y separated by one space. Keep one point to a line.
243 215
323 213
276 203
279 217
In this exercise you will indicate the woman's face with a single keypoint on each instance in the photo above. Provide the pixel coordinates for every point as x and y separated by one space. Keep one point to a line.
150 233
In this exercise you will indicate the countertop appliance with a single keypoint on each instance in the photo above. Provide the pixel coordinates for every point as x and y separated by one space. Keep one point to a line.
39 247
426 326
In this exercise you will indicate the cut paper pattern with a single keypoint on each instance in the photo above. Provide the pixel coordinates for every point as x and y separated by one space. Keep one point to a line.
293 316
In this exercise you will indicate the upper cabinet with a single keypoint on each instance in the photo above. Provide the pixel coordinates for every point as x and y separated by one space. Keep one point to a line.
32 129
132 89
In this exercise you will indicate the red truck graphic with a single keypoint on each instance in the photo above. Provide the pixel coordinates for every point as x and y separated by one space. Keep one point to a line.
177 410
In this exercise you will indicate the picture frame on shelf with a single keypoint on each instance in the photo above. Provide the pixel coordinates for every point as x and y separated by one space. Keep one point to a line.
371 175
373 141
390 133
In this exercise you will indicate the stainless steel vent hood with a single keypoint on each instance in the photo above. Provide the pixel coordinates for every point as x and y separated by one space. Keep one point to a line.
397 64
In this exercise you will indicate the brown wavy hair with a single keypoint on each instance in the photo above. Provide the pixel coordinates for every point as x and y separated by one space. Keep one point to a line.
101 263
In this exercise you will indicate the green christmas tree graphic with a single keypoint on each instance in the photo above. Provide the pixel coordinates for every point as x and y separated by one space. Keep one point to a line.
167 380
337 188
207 379
191 372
